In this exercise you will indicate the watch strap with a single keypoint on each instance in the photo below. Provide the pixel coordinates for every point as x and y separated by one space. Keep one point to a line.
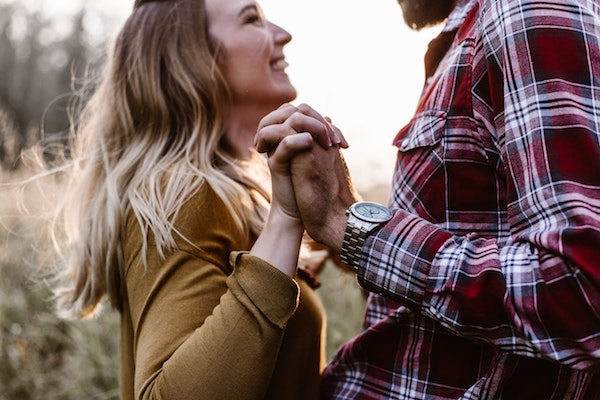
354 239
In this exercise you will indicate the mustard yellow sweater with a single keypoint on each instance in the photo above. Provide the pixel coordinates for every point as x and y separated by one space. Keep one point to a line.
212 322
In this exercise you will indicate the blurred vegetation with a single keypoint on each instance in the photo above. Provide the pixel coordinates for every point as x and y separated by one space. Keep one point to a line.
40 53
42 356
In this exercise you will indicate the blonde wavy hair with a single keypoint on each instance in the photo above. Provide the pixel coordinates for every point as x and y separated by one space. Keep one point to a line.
151 134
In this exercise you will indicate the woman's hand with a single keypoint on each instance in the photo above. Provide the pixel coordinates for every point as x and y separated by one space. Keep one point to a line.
284 199
290 120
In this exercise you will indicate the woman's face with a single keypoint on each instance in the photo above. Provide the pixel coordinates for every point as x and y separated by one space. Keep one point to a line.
250 53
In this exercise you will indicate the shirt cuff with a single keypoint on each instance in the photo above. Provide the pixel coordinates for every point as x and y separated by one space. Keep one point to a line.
396 260
259 285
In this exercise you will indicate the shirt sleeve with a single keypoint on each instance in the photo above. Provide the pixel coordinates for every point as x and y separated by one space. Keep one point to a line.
538 294
207 321
202 334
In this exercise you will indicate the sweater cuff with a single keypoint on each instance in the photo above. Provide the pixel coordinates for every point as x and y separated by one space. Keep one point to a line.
259 285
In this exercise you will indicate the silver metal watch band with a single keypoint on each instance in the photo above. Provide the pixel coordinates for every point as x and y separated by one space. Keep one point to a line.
354 239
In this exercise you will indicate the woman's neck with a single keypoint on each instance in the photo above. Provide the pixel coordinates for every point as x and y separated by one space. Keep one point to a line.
241 130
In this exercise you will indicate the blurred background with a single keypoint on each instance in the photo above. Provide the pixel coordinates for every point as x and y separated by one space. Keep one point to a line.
353 61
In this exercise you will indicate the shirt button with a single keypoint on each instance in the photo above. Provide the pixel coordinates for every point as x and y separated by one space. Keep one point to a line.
405 143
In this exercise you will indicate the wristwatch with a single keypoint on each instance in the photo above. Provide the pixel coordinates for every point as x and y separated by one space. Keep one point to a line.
364 218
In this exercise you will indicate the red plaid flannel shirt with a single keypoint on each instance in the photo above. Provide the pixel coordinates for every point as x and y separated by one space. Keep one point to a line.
486 284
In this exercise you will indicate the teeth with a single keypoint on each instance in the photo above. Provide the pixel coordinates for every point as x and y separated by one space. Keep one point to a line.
280 64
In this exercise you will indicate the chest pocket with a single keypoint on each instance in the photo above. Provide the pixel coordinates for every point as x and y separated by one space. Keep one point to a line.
424 130
436 135
419 175
447 171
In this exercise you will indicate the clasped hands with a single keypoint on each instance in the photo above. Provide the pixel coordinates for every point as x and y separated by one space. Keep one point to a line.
310 178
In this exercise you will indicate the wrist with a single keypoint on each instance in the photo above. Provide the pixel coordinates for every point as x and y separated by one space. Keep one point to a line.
328 231
364 218
280 220
279 241
336 231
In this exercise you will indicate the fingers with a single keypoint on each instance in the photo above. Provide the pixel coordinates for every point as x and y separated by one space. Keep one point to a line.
271 130
278 116
342 142
270 136
288 148
290 120
333 132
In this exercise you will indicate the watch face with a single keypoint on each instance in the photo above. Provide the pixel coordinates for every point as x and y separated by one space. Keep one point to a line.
372 212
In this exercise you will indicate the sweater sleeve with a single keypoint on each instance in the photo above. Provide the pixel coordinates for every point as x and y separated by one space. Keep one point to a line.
202 330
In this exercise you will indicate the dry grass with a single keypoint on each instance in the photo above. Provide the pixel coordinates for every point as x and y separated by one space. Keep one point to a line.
44 357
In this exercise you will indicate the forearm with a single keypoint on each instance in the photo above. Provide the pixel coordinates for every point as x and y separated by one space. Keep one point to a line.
279 242
522 297
188 349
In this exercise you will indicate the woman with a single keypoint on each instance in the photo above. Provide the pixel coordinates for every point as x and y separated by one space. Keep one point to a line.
168 212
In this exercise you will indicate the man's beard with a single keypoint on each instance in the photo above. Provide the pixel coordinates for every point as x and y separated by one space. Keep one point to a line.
422 13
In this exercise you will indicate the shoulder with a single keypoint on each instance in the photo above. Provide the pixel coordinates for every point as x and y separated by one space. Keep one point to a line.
203 210
520 30
205 223
203 227
522 14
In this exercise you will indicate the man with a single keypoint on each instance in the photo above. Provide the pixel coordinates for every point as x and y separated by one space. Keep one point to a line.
485 276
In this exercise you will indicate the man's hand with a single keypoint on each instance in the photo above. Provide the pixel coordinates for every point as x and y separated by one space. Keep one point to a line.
324 191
